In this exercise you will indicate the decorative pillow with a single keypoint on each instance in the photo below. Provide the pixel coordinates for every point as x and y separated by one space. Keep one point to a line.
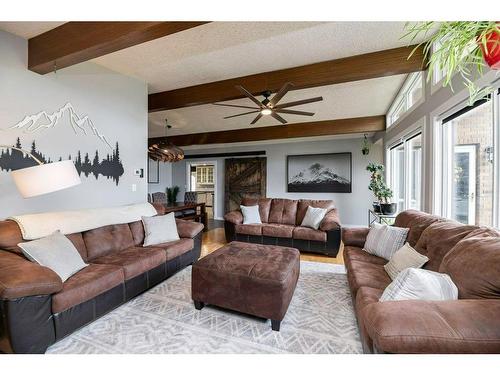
313 218
159 229
406 257
250 214
414 283
384 240
55 252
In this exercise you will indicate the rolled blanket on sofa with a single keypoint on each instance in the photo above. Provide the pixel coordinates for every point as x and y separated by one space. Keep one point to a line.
34 226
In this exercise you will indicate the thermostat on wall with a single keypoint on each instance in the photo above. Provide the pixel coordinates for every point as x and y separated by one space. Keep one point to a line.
139 172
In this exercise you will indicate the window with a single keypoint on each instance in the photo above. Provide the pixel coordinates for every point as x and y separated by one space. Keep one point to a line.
405 171
205 174
468 164
410 94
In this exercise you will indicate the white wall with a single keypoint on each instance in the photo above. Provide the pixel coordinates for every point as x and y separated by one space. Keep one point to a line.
117 106
352 206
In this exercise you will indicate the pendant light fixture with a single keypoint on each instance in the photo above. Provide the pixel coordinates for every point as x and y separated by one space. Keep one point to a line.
165 151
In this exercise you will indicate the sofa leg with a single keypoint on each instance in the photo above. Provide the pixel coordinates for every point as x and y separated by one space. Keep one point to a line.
198 305
275 325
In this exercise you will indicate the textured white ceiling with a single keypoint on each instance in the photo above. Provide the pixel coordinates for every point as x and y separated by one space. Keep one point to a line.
222 50
28 29
354 99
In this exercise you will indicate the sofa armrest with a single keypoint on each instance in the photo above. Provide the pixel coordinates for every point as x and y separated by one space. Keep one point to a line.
21 278
235 217
459 326
188 229
331 221
354 236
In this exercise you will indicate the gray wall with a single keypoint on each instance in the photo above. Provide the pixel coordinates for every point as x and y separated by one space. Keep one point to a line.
116 104
165 170
352 207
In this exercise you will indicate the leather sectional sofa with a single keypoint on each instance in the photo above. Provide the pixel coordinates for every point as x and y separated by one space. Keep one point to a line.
37 309
280 226
470 255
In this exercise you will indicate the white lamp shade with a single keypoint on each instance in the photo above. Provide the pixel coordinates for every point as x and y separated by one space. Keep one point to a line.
46 178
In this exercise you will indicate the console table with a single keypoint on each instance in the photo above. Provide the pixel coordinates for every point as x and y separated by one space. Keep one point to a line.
200 216
378 217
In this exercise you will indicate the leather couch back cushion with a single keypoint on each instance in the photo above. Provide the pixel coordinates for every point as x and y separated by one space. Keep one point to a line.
264 206
473 265
104 240
137 229
417 221
283 211
438 239
304 203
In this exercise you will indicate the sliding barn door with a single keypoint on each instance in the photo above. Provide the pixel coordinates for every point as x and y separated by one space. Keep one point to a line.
245 177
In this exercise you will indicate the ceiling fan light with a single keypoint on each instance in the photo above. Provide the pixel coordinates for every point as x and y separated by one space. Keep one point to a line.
266 111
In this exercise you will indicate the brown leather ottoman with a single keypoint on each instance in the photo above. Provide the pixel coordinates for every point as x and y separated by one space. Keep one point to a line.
249 278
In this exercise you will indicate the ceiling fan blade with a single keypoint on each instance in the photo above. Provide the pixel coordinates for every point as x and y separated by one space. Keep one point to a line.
299 102
280 94
256 119
249 95
242 114
234 105
278 117
292 112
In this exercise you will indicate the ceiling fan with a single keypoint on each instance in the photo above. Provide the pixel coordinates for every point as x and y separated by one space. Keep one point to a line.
270 106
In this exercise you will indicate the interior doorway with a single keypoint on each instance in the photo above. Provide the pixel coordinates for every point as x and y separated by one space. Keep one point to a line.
201 177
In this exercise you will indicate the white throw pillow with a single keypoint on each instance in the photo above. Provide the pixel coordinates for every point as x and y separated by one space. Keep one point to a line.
160 229
419 284
406 257
250 214
313 218
55 252
384 240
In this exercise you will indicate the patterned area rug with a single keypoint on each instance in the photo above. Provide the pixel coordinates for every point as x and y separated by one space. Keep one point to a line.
320 319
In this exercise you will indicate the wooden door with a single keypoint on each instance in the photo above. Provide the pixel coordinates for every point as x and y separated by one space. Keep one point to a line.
244 177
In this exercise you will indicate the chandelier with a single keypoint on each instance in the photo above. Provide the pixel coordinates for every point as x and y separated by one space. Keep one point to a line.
164 150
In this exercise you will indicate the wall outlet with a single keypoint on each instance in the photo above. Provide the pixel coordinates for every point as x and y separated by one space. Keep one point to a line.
134 187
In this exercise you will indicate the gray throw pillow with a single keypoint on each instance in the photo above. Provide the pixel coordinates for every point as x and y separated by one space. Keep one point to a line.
55 252
160 229
313 217
250 214
406 257
383 240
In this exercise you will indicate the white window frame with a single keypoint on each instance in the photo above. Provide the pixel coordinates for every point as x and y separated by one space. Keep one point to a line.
417 128
403 98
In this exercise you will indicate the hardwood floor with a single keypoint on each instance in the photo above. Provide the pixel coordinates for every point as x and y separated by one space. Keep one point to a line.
214 239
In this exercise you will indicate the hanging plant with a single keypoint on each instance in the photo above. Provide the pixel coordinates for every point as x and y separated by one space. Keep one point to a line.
463 47
365 149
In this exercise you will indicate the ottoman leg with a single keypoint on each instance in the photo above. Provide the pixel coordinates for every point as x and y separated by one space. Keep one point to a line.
198 305
275 325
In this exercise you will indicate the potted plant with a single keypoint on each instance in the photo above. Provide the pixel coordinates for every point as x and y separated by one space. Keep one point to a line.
365 149
376 183
172 194
387 208
459 47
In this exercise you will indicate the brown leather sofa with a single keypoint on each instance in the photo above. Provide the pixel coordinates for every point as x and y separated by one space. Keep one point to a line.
37 309
470 255
280 226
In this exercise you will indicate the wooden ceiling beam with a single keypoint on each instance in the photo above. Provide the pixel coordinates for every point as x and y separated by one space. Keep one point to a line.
370 65
76 42
297 130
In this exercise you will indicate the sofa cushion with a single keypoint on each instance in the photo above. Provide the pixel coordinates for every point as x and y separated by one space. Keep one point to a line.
358 254
251 229
87 284
367 274
438 239
134 260
474 266
304 203
277 230
264 206
105 240
303 233
416 221
283 211
137 229
175 248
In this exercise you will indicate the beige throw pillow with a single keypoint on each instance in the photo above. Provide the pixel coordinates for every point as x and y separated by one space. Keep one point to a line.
160 229
313 218
406 257
384 240
55 252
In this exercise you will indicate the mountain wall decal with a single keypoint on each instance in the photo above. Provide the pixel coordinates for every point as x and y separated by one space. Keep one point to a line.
44 120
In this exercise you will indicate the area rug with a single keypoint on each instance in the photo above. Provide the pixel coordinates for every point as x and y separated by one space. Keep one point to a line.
320 319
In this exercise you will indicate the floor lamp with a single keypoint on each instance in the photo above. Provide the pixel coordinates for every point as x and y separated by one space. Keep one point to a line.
44 178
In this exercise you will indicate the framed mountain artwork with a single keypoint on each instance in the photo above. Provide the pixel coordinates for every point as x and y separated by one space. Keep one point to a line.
319 173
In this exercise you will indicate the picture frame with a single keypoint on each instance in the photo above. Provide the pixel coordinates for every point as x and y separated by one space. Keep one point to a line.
319 173
153 171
